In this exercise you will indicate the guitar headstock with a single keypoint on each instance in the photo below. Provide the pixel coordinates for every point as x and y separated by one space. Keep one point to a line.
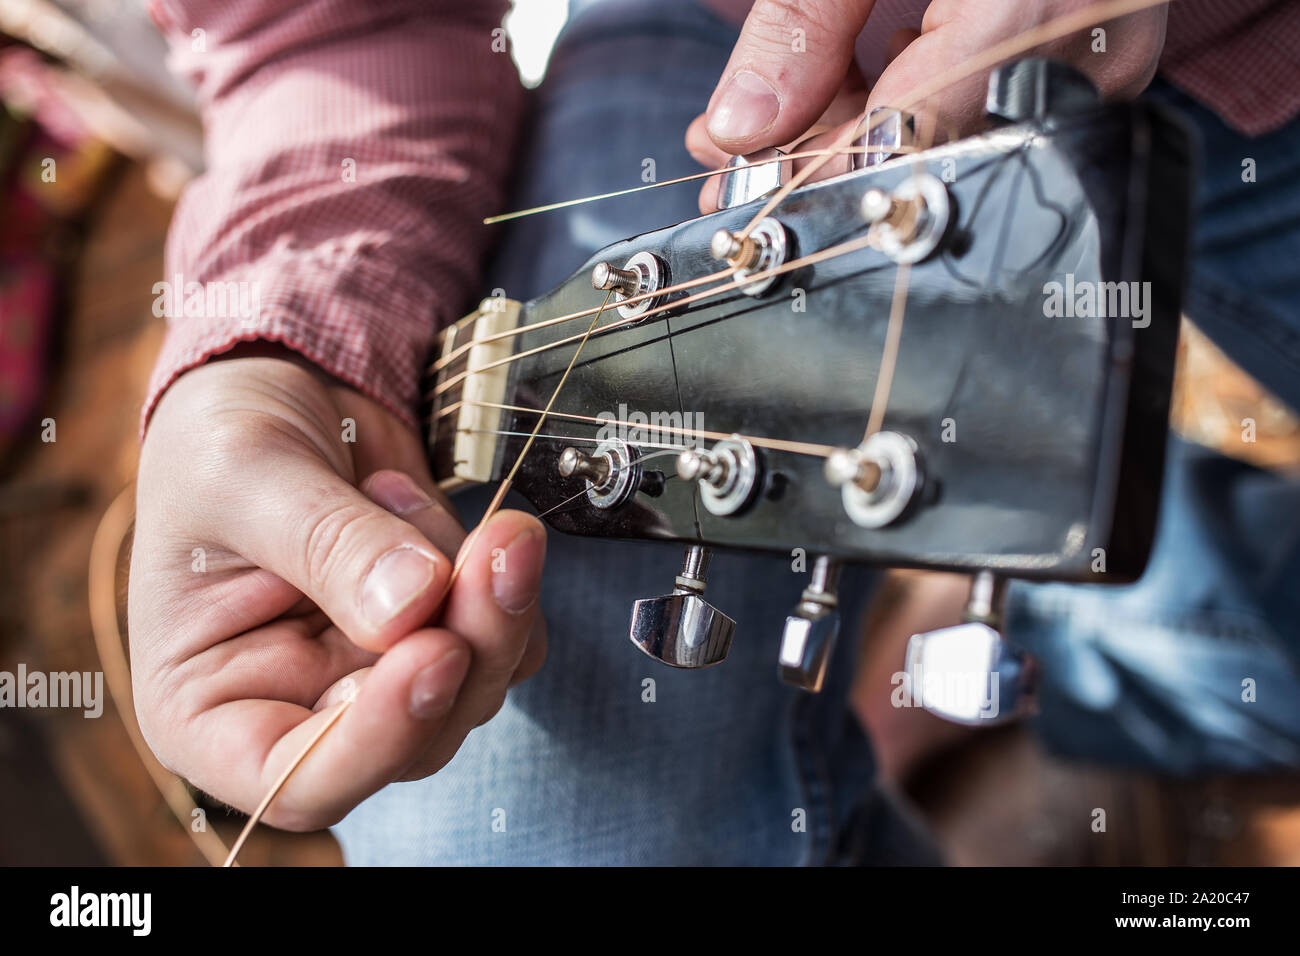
1019 292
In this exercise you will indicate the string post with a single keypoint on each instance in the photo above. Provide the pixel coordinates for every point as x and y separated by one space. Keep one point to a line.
573 463
606 277
848 466
762 250
729 247
877 206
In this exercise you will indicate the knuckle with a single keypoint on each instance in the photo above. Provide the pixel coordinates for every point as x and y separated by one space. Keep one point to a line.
334 541
775 20
496 665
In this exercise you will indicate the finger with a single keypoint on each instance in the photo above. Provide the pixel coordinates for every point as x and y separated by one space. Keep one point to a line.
376 576
493 602
953 112
787 66
706 152
898 42
413 500
494 635
388 443
401 703
493 606
846 106
534 654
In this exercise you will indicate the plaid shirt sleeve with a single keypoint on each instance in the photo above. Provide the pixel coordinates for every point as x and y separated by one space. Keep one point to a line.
352 150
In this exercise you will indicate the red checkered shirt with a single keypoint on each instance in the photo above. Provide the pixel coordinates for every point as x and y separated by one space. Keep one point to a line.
353 149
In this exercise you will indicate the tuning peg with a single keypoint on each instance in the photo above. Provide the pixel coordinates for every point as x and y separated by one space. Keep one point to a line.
728 474
744 181
879 480
613 475
764 249
1034 88
894 132
969 673
643 273
811 629
682 629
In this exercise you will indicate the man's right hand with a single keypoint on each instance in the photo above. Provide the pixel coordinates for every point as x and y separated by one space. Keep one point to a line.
266 585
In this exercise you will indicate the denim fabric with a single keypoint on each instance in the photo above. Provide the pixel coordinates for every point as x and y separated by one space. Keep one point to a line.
1244 288
1197 665
579 767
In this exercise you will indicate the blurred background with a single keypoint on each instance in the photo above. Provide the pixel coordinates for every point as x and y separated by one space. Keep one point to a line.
96 142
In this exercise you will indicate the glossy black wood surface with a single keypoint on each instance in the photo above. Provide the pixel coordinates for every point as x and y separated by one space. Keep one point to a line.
1060 423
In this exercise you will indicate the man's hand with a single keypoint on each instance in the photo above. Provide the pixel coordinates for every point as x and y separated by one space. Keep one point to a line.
265 586
774 90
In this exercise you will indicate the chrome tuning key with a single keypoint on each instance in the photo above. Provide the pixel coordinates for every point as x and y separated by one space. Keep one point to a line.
808 639
969 673
747 180
682 629
894 133
1036 89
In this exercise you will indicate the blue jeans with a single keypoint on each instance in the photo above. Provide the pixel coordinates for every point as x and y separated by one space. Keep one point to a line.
723 766
1196 667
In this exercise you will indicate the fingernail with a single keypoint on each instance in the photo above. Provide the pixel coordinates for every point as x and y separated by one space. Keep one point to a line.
515 592
397 493
748 106
397 579
433 690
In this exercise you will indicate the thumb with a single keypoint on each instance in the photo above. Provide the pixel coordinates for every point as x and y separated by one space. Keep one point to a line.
372 573
786 68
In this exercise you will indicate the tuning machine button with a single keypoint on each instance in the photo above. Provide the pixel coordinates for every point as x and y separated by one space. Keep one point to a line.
613 475
911 220
644 272
728 474
970 673
878 480
682 629
1036 89
894 132
747 178
808 639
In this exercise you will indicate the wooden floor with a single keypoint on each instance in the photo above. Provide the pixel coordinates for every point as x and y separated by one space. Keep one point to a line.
73 790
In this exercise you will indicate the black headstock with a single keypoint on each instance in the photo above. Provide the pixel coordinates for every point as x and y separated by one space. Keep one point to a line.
1031 436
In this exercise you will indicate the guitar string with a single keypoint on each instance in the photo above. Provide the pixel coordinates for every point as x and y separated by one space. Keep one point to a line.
1100 12
460 350
736 282
785 158
1054 29
776 444
894 330
466 548
876 411
1043 33
574 497
445 360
